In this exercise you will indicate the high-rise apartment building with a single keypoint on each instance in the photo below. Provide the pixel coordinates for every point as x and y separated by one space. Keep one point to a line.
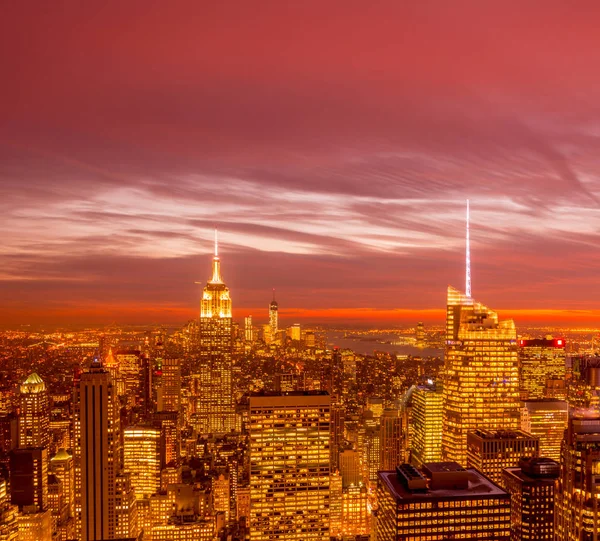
490 451
577 504
289 466
426 439
214 404
442 501
103 494
542 368
141 458
532 486
546 420
34 415
481 382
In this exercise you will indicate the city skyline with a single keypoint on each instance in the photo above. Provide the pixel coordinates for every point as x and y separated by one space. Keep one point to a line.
329 164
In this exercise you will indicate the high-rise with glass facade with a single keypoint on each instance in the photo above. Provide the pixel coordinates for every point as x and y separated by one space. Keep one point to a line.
481 374
542 368
289 466
426 440
546 420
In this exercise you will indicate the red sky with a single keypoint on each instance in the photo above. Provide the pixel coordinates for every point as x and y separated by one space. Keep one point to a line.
332 143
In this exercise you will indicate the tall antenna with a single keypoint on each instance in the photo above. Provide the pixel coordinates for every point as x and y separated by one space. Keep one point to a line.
468 246
216 243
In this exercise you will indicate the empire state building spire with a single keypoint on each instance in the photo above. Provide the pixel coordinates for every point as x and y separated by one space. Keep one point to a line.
216 266
468 257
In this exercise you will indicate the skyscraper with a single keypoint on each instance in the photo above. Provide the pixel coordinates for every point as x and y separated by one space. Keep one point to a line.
104 501
542 368
392 440
141 458
289 466
248 330
481 381
34 417
273 319
577 503
169 393
547 420
214 404
531 486
426 441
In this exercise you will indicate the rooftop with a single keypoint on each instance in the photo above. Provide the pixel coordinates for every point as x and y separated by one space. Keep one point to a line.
477 486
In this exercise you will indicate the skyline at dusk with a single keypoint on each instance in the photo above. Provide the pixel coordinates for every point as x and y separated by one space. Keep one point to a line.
333 150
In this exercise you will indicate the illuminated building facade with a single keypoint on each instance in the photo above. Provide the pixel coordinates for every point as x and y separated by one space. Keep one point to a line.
61 465
426 438
420 335
356 516
546 420
35 526
577 502
481 383
295 332
34 415
214 404
532 488
372 453
273 319
169 394
490 451
141 459
442 501
289 466
542 368
248 330
9 529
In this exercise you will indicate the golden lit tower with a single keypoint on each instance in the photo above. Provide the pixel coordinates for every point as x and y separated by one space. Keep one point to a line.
273 318
34 417
481 371
481 386
214 405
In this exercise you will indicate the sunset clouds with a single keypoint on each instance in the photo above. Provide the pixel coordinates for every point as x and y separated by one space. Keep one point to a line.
332 144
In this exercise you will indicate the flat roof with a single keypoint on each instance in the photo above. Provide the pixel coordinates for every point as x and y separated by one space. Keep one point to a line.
289 399
519 474
479 487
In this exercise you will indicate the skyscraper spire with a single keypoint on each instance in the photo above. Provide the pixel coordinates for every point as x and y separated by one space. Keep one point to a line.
273 294
468 256
216 274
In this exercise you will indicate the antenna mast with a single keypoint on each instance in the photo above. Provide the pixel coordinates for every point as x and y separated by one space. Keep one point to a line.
468 256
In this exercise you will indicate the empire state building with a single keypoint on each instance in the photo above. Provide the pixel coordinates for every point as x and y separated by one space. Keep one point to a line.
214 405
